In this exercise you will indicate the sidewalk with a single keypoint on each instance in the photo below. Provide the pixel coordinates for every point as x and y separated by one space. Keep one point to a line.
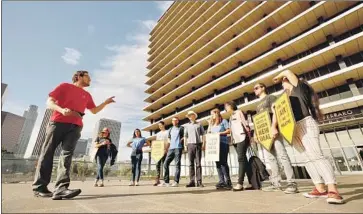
118 197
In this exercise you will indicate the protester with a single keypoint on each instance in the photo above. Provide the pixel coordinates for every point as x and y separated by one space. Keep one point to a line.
69 102
175 151
305 107
136 143
103 146
194 139
220 126
277 149
163 136
240 131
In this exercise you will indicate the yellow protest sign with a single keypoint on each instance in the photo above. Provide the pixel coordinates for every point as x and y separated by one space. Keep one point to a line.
285 117
157 149
262 124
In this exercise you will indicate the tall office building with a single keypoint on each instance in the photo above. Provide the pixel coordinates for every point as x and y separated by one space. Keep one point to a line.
12 125
3 92
81 148
41 135
30 116
114 127
89 146
205 53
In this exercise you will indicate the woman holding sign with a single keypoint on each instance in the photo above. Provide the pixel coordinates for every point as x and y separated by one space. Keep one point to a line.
305 108
219 125
240 134
137 142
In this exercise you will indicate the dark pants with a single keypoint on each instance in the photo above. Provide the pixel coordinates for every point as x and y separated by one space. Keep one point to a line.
241 149
101 161
158 167
136 166
222 165
67 135
173 154
195 156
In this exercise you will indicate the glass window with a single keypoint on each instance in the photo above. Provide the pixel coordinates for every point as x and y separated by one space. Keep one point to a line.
339 159
323 142
332 139
344 138
327 155
356 135
352 159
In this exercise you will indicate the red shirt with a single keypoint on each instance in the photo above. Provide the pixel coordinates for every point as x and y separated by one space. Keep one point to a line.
71 97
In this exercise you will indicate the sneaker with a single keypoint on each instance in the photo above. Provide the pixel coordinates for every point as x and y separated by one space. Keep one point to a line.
199 184
95 185
220 185
101 185
132 183
291 188
228 187
164 185
157 182
238 187
137 184
67 194
43 192
191 184
316 194
175 184
272 188
334 198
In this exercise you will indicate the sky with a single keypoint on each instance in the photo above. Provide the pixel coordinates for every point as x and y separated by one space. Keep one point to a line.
44 43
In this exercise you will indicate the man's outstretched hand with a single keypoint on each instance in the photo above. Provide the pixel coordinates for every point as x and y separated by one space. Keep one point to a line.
110 100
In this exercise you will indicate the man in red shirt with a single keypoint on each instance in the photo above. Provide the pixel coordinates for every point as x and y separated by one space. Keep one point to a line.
68 102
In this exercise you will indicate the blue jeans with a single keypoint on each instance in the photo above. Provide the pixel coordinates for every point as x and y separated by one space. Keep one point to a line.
173 153
101 161
136 166
222 165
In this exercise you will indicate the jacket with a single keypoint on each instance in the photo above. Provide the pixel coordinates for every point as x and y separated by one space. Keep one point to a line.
256 172
112 154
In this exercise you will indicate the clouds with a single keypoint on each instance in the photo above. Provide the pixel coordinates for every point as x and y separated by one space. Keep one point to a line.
163 5
71 56
121 74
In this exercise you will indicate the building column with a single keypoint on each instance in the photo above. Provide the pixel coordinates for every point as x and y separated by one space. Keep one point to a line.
341 62
353 87
245 95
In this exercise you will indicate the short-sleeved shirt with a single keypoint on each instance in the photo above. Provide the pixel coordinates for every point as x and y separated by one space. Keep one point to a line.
300 99
266 103
71 97
102 150
162 135
222 127
137 143
175 137
193 132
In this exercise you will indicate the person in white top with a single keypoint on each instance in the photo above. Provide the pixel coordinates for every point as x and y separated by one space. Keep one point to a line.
161 135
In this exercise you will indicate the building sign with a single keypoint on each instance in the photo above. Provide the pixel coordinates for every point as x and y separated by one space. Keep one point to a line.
157 149
285 117
347 114
262 125
212 147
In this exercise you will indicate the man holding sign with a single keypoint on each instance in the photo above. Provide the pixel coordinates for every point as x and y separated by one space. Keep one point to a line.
277 149
162 135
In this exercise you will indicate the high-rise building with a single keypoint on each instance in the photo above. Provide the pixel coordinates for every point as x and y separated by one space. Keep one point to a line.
41 135
3 92
114 127
89 145
81 148
30 116
205 53
12 125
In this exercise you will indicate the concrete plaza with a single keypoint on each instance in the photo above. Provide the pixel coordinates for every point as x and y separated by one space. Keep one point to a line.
118 197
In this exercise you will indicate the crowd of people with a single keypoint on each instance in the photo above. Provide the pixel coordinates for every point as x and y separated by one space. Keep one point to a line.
69 102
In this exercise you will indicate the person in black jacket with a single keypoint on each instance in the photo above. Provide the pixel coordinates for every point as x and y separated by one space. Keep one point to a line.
103 144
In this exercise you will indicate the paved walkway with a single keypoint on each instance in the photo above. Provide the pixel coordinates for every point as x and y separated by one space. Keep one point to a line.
117 197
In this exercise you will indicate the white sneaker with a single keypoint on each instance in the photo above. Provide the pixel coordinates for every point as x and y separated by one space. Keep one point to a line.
175 184
238 187
164 185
